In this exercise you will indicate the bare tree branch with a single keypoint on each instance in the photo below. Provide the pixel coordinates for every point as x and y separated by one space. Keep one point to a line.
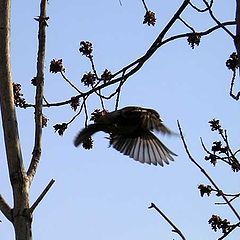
201 10
21 214
5 209
229 231
42 195
175 228
216 20
39 91
236 97
203 33
123 78
70 83
186 24
237 38
134 66
220 192
145 5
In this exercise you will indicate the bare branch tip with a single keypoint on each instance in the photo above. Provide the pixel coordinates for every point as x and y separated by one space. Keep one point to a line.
152 205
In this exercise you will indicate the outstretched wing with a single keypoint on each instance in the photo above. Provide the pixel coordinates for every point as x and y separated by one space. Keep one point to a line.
149 118
146 148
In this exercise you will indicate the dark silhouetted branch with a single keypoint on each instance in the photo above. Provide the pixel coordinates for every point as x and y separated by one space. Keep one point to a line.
42 195
175 228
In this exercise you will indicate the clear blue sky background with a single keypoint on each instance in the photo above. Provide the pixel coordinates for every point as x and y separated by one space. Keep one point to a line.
100 194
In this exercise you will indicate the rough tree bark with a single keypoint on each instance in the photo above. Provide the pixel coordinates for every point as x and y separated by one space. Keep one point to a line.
21 213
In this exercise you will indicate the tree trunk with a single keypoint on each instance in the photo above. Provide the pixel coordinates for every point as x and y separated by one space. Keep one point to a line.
20 214
22 223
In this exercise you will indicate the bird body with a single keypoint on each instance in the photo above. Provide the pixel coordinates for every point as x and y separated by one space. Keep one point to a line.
130 130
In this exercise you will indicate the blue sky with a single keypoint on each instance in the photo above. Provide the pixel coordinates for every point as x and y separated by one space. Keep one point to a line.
100 193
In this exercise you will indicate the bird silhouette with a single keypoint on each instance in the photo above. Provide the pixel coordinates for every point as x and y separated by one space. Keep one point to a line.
130 132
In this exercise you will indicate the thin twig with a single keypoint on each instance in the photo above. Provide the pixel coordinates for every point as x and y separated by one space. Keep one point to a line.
203 33
42 195
217 21
76 115
175 228
201 10
101 99
236 152
45 100
186 24
70 83
93 66
145 5
231 200
235 97
118 94
86 111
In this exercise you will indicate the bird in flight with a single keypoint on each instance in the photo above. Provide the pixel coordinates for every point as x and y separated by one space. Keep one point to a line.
130 132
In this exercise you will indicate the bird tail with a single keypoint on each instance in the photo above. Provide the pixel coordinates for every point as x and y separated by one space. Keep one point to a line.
86 133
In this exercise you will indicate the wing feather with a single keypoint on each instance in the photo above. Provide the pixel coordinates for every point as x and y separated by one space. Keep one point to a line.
145 149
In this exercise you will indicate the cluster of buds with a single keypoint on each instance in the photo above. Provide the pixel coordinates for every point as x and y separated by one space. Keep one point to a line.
232 62
106 76
88 143
205 189
217 223
74 103
44 121
19 101
56 66
220 152
215 125
217 148
88 79
149 18
86 48
98 114
60 128
194 39
212 158
34 81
